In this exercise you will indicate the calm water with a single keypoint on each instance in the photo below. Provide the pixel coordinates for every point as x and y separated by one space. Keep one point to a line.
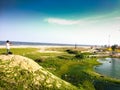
38 43
109 67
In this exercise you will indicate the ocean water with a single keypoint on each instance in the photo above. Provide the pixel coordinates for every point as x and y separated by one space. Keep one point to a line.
16 43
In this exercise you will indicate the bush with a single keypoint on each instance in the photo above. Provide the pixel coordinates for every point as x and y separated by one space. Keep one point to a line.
72 51
79 56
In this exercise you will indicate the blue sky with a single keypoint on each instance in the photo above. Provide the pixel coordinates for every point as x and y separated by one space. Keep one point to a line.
61 21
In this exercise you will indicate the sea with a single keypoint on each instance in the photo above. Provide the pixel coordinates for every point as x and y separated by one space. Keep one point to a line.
19 43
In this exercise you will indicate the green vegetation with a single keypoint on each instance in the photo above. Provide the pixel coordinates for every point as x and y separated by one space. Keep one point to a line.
15 78
19 51
70 65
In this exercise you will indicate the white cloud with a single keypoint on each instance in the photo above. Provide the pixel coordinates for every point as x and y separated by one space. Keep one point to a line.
89 21
62 21
84 21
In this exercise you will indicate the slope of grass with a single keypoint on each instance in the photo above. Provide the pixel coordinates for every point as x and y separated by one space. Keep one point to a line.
16 78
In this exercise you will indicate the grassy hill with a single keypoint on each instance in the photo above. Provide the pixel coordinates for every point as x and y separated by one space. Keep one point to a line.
21 73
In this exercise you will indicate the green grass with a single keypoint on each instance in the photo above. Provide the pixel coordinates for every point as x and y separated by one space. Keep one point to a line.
19 51
67 64
78 71
15 78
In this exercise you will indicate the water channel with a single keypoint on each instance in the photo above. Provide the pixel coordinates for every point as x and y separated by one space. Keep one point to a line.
110 67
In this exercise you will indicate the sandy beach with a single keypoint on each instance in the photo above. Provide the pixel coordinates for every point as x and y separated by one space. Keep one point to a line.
42 46
45 48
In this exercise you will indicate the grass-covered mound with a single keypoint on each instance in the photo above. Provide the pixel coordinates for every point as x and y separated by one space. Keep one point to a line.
21 73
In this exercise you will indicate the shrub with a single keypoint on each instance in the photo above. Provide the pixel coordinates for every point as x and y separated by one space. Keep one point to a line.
72 51
79 56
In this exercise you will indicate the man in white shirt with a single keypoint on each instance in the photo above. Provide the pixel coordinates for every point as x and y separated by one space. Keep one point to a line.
8 46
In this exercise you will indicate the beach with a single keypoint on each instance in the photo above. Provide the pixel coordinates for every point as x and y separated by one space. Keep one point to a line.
43 46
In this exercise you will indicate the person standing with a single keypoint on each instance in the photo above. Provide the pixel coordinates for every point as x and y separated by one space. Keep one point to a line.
8 46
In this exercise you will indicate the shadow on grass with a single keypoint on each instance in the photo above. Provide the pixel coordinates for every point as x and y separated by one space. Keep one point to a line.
6 53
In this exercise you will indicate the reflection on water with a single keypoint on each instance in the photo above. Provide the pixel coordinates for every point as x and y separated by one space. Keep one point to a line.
109 67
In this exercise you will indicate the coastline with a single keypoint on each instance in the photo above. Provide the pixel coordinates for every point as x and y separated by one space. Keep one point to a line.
43 46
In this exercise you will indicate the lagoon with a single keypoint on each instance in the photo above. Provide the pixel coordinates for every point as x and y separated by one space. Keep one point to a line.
110 67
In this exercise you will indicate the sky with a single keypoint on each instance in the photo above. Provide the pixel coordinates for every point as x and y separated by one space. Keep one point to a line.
90 22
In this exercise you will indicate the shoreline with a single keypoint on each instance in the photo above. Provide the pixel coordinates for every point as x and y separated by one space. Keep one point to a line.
42 46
